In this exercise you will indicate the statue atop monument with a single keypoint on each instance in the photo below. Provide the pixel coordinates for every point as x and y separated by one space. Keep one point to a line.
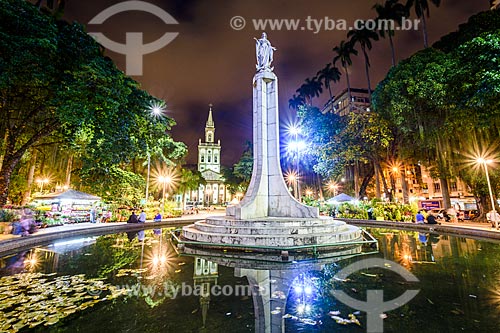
264 51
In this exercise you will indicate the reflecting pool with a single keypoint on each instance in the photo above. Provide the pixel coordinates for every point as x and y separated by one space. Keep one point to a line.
137 282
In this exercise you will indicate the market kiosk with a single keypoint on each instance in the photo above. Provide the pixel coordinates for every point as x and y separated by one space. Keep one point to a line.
66 207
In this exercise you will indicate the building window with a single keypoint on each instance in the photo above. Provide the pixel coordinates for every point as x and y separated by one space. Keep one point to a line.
209 139
215 159
208 158
453 187
437 187
202 159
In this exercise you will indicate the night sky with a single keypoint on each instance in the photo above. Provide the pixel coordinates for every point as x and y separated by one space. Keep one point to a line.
209 62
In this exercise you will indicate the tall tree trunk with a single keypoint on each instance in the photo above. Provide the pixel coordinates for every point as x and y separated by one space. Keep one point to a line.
424 31
318 179
445 192
4 146
367 71
404 186
5 174
366 181
376 169
393 188
384 182
327 82
356 179
31 174
393 51
348 88
69 167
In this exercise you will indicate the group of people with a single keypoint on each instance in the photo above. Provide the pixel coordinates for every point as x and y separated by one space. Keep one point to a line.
429 219
141 218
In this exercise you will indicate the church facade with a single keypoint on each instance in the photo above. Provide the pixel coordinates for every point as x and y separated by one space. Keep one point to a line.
209 153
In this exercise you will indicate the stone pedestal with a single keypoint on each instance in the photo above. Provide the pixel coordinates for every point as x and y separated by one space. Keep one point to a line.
267 194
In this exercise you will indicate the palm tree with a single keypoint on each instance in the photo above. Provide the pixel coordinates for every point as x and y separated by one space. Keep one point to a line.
309 89
329 74
189 181
296 101
421 9
394 11
344 52
364 37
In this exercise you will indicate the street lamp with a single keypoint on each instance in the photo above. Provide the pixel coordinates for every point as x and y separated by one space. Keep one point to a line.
165 180
295 147
41 182
147 178
485 163
157 109
292 179
332 187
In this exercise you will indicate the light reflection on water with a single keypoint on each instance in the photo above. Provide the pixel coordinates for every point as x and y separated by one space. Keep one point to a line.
459 287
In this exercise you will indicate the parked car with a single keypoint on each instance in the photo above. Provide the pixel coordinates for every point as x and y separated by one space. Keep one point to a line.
470 214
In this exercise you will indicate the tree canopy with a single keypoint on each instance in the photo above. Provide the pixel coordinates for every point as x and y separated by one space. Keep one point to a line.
55 80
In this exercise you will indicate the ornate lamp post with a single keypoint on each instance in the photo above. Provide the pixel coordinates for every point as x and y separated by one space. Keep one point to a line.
485 163
41 182
165 180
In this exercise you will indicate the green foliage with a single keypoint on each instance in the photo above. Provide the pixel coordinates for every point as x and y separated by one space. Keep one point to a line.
75 93
476 25
352 211
115 185
394 211
7 215
238 177
320 132
444 108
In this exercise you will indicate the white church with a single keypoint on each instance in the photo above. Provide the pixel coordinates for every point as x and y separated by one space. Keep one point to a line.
209 152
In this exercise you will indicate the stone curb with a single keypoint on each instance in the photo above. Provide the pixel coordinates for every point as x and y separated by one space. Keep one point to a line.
20 243
471 232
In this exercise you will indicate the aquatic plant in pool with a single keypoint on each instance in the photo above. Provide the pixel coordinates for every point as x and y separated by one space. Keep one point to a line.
119 283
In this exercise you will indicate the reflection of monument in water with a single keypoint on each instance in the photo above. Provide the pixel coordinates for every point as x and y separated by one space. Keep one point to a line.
268 218
271 282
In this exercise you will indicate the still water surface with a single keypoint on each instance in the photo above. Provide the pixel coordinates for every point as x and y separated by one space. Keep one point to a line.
139 283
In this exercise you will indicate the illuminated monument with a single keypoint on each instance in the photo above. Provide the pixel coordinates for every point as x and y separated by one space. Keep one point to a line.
268 218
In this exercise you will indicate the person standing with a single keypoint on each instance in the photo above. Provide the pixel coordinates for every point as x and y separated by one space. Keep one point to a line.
92 215
142 217
493 217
